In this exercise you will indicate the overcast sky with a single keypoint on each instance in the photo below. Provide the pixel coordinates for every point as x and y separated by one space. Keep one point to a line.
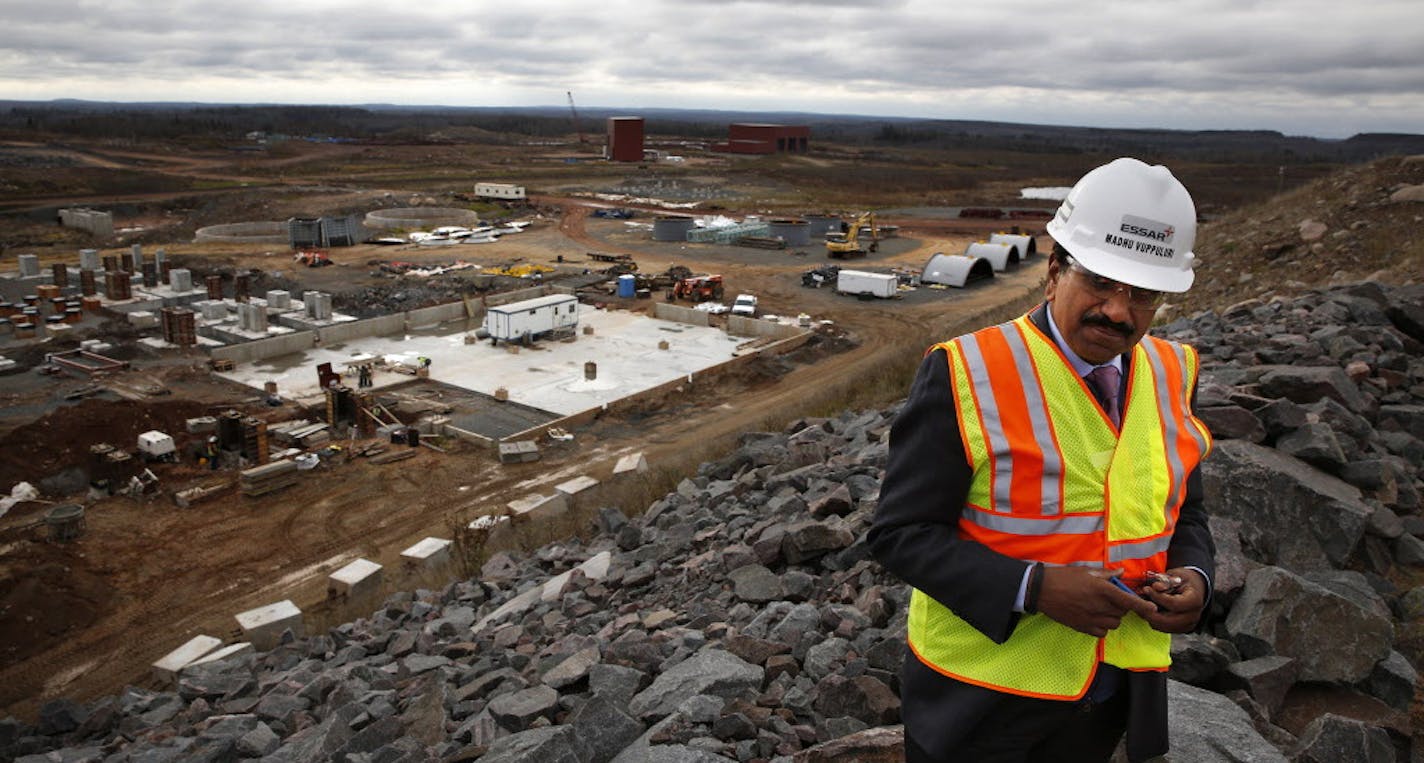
1327 68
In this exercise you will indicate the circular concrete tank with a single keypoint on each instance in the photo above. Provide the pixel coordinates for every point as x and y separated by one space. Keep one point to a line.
671 228
793 232
820 225
65 522
420 217
249 233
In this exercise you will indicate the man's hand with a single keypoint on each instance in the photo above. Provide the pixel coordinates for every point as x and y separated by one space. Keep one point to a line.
1087 601
1176 611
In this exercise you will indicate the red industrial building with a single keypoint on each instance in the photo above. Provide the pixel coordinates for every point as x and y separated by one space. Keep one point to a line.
625 139
765 139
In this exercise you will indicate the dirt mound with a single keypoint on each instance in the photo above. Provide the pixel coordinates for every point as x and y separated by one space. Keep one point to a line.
1341 228
45 594
61 438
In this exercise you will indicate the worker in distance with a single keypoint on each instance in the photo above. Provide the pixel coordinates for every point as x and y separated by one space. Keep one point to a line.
1042 498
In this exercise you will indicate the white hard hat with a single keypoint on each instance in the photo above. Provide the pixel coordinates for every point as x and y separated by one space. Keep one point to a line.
1132 223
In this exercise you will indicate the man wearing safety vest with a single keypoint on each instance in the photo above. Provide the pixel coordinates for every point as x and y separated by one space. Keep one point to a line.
1042 498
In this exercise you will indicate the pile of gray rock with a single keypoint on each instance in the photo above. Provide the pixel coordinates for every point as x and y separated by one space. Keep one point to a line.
741 617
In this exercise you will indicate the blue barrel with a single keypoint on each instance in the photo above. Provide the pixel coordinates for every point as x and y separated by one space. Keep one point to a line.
627 286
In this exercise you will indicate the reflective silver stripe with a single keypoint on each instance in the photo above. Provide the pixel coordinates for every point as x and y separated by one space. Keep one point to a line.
1051 499
1196 434
1065 524
1170 428
993 424
1143 549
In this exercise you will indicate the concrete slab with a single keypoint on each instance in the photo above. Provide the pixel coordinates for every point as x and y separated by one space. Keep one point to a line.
430 552
360 577
167 668
548 376
231 650
596 568
263 626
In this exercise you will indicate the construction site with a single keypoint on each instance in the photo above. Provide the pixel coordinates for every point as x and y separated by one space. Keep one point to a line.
308 410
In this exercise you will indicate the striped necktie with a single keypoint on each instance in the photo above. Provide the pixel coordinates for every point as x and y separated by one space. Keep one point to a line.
1103 381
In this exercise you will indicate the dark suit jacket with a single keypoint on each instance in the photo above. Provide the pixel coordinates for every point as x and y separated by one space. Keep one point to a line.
915 536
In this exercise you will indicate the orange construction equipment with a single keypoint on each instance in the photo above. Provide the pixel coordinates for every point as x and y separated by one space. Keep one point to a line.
312 258
698 288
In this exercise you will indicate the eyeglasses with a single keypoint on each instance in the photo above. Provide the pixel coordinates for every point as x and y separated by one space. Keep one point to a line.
1105 288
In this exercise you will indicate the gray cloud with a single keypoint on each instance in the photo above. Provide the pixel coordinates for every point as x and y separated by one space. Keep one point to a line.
1302 67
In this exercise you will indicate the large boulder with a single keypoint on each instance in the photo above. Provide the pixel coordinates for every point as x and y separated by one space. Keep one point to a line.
711 671
1206 727
1290 514
1332 637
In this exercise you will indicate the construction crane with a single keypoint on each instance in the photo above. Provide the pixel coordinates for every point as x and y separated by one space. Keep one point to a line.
578 128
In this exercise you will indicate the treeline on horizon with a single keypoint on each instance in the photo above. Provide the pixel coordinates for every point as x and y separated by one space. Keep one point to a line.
217 126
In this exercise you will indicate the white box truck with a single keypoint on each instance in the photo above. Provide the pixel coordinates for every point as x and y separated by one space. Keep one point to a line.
531 319
865 284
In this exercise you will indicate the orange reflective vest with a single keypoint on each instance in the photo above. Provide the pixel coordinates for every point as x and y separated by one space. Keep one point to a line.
1055 482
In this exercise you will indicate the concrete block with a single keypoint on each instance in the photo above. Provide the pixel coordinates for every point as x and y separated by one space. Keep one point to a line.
263 626
169 665
493 527
523 451
428 553
143 319
535 507
231 650
633 463
576 489
355 579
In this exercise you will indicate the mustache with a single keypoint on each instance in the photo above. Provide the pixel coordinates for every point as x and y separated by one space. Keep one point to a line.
1098 319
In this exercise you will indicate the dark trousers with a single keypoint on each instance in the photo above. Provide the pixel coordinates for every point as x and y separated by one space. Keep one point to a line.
1023 729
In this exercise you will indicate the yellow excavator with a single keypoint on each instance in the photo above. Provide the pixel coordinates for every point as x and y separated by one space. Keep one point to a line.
839 246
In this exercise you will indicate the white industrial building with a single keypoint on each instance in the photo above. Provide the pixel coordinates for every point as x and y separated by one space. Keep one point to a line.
499 191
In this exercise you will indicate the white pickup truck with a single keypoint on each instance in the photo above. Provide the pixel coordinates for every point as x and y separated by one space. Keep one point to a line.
745 304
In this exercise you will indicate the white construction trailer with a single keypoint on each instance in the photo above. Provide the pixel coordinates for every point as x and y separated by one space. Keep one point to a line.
531 319
864 283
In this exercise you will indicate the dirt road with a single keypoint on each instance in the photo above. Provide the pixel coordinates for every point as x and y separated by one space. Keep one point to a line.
148 576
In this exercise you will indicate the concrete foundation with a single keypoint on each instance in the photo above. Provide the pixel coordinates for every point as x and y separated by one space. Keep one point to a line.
358 578
167 668
263 626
